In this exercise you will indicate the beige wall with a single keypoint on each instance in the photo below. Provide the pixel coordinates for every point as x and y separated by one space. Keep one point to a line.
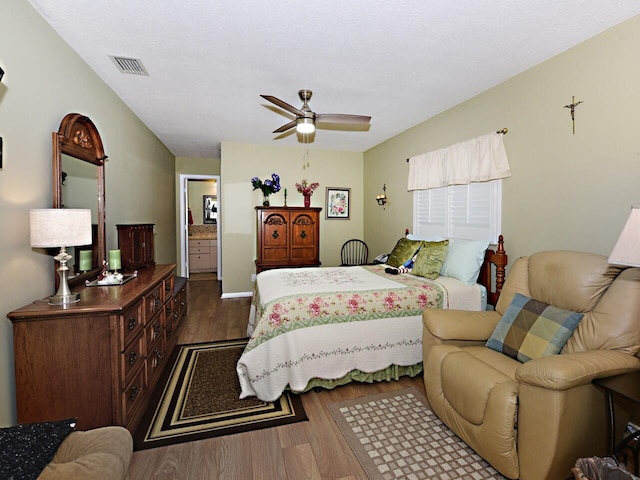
44 80
567 191
241 162
197 189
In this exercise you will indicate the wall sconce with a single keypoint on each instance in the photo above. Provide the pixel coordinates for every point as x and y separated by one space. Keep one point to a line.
382 199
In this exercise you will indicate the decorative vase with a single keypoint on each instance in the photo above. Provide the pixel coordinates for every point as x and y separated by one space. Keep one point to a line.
265 200
307 201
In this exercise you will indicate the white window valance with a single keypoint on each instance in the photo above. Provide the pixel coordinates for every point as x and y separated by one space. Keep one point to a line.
477 160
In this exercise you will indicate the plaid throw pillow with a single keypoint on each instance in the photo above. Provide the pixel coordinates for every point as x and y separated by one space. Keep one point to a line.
531 329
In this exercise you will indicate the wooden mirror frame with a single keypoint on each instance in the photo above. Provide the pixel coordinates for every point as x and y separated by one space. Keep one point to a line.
78 137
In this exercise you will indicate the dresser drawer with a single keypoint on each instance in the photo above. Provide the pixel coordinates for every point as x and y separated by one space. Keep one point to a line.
155 358
132 359
131 324
168 284
199 251
153 302
200 243
197 262
153 330
133 395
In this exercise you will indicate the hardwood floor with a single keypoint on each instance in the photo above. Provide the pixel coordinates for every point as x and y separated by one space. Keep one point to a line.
305 450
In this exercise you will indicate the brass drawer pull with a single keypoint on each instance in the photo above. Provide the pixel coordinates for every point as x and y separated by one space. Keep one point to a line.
275 234
134 393
303 234
133 321
133 356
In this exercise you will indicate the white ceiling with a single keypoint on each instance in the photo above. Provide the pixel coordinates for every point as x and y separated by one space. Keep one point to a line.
400 62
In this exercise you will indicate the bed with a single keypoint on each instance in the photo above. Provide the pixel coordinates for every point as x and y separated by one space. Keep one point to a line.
328 326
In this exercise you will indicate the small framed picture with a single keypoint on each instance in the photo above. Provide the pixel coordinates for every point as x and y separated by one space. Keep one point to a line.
338 203
209 209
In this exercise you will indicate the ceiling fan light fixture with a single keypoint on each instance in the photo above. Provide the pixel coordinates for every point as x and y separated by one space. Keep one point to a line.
305 125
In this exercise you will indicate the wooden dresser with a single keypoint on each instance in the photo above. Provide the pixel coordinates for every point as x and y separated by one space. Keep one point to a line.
136 245
97 360
288 237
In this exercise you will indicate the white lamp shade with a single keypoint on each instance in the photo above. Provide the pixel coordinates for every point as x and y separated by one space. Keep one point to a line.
60 227
627 249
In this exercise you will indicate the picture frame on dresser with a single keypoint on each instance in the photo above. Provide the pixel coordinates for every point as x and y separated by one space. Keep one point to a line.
209 209
338 203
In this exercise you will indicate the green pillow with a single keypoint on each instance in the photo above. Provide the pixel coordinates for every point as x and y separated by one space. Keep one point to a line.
430 259
531 329
403 252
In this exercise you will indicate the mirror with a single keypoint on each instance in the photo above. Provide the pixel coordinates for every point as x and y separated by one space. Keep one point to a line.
78 182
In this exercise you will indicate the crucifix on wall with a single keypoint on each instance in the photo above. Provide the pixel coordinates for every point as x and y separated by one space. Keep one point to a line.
572 106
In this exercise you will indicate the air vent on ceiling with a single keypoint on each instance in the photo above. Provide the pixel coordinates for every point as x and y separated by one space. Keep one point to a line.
129 65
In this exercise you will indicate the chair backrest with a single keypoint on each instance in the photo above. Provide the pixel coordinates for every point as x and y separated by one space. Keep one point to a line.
607 295
354 252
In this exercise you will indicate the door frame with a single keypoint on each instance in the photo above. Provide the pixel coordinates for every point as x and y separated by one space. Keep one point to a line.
184 221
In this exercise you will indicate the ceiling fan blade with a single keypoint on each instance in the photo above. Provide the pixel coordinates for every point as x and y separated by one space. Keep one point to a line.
342 118
283 105
286 127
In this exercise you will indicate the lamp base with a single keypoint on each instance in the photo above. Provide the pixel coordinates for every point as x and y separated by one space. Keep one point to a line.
64 299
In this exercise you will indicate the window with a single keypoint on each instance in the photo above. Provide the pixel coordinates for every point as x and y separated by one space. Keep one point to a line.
471 212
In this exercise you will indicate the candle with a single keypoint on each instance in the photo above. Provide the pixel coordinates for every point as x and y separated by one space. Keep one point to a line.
85 260
114 259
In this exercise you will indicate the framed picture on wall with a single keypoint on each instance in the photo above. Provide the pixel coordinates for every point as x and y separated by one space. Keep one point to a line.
338 203
209 209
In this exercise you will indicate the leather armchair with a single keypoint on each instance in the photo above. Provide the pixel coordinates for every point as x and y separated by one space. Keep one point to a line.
533 420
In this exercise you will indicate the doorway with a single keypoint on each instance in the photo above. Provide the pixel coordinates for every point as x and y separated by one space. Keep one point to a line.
200 225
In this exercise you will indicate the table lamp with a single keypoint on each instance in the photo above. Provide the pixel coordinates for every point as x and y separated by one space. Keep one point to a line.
627 249
61 227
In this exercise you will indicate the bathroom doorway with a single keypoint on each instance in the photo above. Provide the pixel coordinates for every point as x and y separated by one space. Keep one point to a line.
200 230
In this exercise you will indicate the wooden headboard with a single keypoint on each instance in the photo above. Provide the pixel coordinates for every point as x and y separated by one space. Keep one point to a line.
493 259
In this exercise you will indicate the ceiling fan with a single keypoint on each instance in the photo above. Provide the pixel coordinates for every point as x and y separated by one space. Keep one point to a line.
305 121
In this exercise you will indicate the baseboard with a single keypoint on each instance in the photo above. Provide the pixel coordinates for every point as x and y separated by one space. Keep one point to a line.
236 295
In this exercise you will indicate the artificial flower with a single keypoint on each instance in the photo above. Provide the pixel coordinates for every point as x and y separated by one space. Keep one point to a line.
269 186
306 188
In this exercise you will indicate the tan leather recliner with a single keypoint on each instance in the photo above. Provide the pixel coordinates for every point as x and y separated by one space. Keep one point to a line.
533 420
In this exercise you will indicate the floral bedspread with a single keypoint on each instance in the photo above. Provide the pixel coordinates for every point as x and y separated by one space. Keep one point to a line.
325 322
339 295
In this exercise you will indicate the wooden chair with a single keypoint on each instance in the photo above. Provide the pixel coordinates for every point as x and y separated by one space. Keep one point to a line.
354 252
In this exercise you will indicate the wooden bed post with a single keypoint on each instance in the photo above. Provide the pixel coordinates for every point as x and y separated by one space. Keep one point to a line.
500 259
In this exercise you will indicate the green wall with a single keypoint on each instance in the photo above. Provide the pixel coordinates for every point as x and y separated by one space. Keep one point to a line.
44 80
567 191
241 162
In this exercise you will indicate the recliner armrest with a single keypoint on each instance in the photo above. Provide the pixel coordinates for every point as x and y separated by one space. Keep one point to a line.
459 325
569 370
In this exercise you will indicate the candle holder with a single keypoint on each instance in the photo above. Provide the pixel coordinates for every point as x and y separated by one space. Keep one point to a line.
115 260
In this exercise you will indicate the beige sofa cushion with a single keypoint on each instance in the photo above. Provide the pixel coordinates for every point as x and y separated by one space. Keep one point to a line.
102 453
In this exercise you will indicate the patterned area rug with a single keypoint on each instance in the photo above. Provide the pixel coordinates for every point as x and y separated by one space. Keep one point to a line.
198 398
396 435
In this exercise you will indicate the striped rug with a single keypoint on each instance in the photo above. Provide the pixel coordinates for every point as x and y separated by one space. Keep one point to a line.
199 399
395 435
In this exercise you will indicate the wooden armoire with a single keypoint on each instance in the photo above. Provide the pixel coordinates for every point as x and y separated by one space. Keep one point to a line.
288 237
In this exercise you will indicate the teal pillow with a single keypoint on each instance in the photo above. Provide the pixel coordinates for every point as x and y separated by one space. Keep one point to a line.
403 252
464 260
430 259
532 329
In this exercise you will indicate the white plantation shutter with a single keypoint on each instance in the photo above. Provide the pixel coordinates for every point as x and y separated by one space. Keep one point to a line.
471 212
